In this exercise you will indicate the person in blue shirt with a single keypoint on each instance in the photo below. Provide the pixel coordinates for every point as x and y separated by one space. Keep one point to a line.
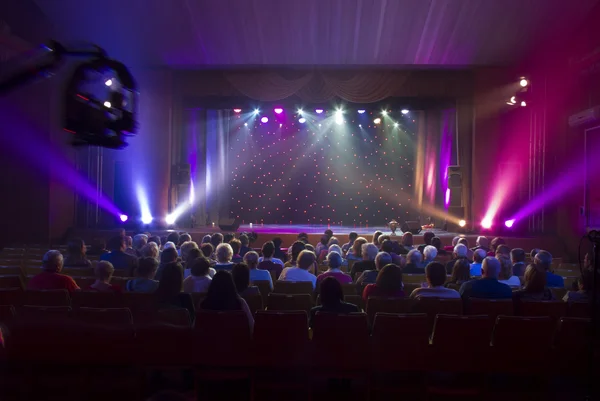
488 286
544 259
478 257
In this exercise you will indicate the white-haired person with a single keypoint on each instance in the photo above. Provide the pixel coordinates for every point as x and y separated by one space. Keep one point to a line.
478 256
506 272
368 251
488 285
414 263
370 276
334 261
150 250
169 244
256 274
223 254
323 254
306 261
430 252
338 249
139 241
482 242
103 272
50 277
459 252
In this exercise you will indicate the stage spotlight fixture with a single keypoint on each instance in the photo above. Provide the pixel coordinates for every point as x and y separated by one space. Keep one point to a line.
359 125
523 82
280 125
462 223
509 223
264 120
302 120
377 120
170 219
107 105
108 82
123 218
361 111
245 124
300 111
486 223
237 110
395 125
523 103
384 113
339 117
404 111
147 219
256 111
278 110
318 111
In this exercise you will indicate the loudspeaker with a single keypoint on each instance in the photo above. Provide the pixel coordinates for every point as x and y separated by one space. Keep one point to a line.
228 224
412 226
454 174
180 174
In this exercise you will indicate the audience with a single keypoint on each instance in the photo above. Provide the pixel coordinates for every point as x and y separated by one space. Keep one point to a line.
103 273
118 258
544 260
495 243
478 257
223 254
173 237
144 281
429 254
376 236
388 284
368 251
413 263
222 296
306 260
535 287
517 256
256 274
461 272
268 251
585 285
150 250
167 256
216 239
482 243
50 277
427 237
407 241
460 252
156 239
207 249
501 251
227 237
332 300
278 254
355 253
322 245
169 292
241 279
236 245
139 241
370 276
199 279
76 254
185 249
351 238
294 251
488 286
245 241
435 275
436 242
334 261
506 272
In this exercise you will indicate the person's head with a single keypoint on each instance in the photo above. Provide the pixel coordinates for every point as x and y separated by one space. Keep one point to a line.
357 246
251 259
241 276
382 259
352 236
200 267
387 246
216 239
324 239
186 247
376 236
150 250
390 278
427 237
331 292
207 249
311 248
116 244
76 248
171 281
503 250
461 271
429 253
183 238
227 237
333 241
297 247
139 241
335 248
587 260
52 261
236 245
277 242
533 252
460 251
535 279
414 257
222 294
192 255
464 241
302 237
268 249
169 245
543 259
407 239
147 268
517 255
586 281
173 237
479 255
482 241
455 241
224 253
369 251
382 239
306 259
156 240
168 255
129 241
206 239
104 271
334 260
436 242
435 274
328 233
506 267
244 240
497 241
490 268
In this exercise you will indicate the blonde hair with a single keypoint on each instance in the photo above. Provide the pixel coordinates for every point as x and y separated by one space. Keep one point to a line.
186 247
104 270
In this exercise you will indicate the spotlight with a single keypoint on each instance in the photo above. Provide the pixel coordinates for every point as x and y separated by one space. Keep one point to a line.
300 111
395 125
245 124
170 219
339 118
523 103
107 105
146 219
486 223
462 223
280 125
237 110
359 125
256 111
278 110
264 120
318 111
384 113
509 223
361 111
302 120
123 218
404 111
523 82
108 82
377 120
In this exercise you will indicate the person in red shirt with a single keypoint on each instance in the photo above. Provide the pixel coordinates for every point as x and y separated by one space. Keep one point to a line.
104 271
50 277
389 284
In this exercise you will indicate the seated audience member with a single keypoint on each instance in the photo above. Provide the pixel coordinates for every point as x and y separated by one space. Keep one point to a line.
376 236
334 261
495 243
429 255
150 250
435 275
241 279
351 238
478 257
534 288
370 276
156 239
183 238
167 256
169 292
309 247
585 286
414 263
465 242
382 238
103 273
302 237
227 237
388 284
461 272
517 257
185 249
322 245
199 278
294 251
427 237
139 241
506 275
533 252
436 242
207 249
278 254
502 251
355 253
460 252
223 253
256 274
236 245
268 251
368 251
206 239
244 248
407 241
169 245
144 281
173 237
192 255
482 243
488 286
118 258
306 261
222 296
216 239
544 260
336 248
50 277
328 233
76 254
98 247
333 241
332 300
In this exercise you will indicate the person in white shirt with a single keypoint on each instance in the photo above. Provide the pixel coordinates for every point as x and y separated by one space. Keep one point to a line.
200 279
306 261
268 250
506 272
251 259
435 274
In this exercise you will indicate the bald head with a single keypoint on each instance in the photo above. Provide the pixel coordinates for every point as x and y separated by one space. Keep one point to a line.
490 268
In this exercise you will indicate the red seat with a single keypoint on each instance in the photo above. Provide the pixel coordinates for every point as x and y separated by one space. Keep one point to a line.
270 328
293 287
104 316
490 307
44 313
173 316
289 302
46 298
11 281
143 306
264 286
387 305
255 302
176 342
435 306
97 299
